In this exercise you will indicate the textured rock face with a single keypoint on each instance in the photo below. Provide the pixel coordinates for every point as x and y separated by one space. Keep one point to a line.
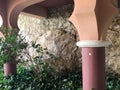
113 51
56 34
59 36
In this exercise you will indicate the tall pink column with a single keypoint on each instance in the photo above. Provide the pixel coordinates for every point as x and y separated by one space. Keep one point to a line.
91 19
93 67
93 64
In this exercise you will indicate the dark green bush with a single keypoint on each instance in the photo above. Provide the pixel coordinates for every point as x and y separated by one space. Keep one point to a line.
28 80
113 81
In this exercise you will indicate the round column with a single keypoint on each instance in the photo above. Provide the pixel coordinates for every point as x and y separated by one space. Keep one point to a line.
93 64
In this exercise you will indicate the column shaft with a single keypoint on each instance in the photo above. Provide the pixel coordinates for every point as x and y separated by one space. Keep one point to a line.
93 67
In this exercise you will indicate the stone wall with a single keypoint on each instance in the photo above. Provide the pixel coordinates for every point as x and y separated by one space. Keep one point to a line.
113 51
55 33
59 36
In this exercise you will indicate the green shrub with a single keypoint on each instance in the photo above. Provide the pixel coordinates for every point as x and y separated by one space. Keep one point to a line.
27 80
113 81
11 46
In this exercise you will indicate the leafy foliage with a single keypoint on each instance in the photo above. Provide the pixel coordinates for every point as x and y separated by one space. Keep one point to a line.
113 81
27 80
11 46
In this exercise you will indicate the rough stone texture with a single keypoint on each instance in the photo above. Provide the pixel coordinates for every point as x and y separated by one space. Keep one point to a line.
59 36
56 34
113 51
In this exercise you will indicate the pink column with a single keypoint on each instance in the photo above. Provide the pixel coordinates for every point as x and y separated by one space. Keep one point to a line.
93 64
91 19
93 67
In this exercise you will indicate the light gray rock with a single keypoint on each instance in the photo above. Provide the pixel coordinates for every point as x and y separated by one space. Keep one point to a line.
113 51
59 36
56 34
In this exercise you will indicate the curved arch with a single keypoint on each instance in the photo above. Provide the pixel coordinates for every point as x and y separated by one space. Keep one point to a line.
105 12
15 10
92 18
84 19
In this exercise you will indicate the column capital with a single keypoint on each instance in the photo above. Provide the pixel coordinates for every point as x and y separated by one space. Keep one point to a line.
93 43
92 18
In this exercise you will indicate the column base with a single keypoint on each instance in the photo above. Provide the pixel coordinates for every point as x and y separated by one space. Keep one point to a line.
93 64
93 43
